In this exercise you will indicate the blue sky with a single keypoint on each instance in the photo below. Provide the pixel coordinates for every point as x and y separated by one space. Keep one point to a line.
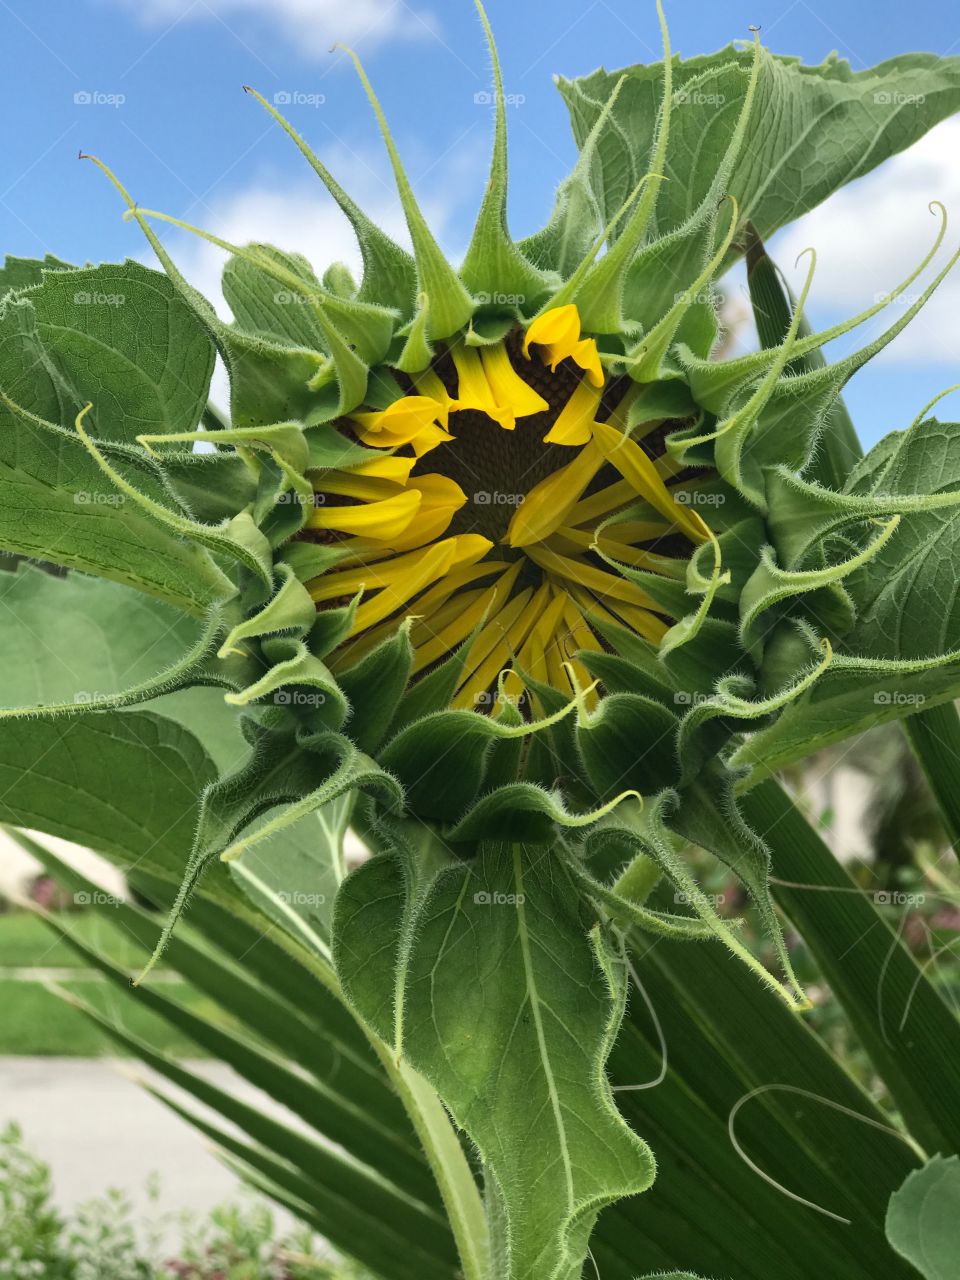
167 112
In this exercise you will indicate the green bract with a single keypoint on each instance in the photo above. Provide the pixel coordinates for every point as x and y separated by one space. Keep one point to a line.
201 693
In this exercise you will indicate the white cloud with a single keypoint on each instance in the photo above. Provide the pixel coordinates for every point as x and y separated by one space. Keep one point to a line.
872 234
313 25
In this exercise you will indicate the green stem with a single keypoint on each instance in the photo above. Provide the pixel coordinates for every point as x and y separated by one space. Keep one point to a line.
934 736
912 1037
639 880
458 1188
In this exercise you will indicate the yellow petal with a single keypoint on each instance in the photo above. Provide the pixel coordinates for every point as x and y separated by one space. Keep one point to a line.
428 605
532 657
429 383
401 422
350 484
608 586
509 389
603 503
558 332
547 504
488 640
430 630
556 672
422 568
461 615
460 578
570 541
587 356
475 392
560 326
428 439
440 499
366 577
392 467
508 638
642 621
383 521
573 426
635 467
579 638
426 567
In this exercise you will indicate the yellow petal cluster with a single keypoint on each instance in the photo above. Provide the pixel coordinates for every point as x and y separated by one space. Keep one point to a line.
536 604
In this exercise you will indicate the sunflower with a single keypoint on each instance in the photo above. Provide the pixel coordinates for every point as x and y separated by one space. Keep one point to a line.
497 452
492 513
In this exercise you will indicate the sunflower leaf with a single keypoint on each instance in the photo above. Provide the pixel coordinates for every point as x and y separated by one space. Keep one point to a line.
832 125
507 997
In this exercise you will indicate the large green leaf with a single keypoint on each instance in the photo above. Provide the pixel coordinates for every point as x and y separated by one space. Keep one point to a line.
116 335
773 305
902 650
496 984
79 640
852 695
344 1116
908 595
923 1220
124 782
57 505
20 273
812 129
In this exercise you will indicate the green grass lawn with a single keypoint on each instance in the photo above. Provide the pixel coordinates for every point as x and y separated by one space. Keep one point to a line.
33 1020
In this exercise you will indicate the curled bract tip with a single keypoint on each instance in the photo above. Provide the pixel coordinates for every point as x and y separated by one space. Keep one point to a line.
144 443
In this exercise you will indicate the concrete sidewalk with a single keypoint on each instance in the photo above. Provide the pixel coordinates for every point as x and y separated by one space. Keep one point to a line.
98 1129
